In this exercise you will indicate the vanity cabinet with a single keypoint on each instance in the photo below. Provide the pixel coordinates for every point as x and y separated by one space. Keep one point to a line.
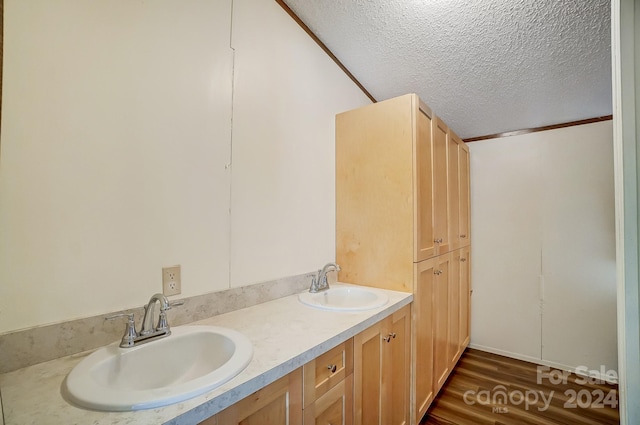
279 403
364 380
402 220
328 387
382 371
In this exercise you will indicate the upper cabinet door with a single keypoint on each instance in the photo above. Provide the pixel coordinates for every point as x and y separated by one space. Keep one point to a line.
465 194
425 237
454 190
375 205
440 186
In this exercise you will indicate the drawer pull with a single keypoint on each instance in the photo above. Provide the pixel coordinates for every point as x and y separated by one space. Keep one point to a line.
437 272
463 259
463 236
332 368
388 338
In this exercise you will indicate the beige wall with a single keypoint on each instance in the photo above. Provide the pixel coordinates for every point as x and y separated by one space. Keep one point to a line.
285 100
543 248
116 154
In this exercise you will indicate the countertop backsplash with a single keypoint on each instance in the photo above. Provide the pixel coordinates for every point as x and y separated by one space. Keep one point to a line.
39 344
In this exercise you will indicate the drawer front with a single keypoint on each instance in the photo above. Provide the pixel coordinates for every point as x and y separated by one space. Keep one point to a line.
335 407
327 370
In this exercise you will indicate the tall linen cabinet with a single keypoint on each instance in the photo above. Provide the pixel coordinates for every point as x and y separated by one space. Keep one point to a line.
402 223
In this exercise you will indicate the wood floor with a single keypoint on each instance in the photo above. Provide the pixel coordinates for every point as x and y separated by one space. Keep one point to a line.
485 388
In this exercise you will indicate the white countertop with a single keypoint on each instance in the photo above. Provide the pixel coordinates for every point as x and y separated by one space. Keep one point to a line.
285 334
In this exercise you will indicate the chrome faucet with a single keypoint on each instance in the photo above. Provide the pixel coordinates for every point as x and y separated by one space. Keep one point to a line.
149 310
148 332
320 282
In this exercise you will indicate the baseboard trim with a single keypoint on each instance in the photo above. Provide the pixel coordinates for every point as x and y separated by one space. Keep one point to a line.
536 360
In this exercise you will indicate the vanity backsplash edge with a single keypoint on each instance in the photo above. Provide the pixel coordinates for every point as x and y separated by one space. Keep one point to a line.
39 344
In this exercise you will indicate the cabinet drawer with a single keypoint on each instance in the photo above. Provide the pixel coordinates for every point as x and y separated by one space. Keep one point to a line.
334 408
327 370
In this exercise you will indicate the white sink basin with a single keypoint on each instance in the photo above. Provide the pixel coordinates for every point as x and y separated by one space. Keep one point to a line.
189 362
345 298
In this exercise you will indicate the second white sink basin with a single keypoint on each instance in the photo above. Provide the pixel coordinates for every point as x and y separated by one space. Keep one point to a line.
189 362
345 298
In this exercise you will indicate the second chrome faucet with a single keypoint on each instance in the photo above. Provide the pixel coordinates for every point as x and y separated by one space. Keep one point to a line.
319 282
148 332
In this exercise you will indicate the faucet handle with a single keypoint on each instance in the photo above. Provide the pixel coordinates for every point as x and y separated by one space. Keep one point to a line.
163 325
171 304
115 316
130 333
315 280
174 304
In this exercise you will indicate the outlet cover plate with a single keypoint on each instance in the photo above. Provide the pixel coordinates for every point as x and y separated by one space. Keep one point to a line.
171 284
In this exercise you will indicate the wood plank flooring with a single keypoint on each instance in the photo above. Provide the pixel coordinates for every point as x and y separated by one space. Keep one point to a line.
488 389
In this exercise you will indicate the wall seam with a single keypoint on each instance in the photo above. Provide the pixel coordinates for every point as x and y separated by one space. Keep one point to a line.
229 166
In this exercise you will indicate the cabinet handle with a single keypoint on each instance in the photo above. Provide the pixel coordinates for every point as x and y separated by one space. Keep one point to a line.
463 236
392 335
463 259
332 368
437 272
437 240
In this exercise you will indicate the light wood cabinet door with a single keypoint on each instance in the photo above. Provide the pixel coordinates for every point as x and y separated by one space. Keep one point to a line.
367 373
453 351
465 195
381 371
396 367
423 335
335 407
453 174
441 321
465 297
425 236
279 403
440 185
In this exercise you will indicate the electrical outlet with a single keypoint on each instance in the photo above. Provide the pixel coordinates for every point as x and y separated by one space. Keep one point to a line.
171 280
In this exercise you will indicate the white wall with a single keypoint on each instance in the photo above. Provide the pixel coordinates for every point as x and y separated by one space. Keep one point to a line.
283 176
544 246
117 144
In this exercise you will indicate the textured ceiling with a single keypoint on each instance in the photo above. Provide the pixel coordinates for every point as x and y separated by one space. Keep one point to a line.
484 66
